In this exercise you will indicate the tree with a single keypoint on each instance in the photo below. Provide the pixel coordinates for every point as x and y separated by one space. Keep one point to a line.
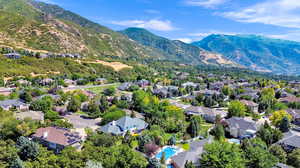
284 124
93 164
277 117
226 90
277 151
44 104
193 129
27 148
153 163
218 132
209 101
109 91
294 158
74 104
52 115
189 165
236 109
26 96
93 110
220 154
103 104
16 163
163 158
257 154
172 140
268 134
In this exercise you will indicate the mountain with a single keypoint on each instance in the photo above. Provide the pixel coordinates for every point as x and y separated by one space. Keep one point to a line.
256 52
42 27
174 49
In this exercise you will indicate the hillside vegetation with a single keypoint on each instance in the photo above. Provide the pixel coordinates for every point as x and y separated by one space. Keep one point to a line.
256 52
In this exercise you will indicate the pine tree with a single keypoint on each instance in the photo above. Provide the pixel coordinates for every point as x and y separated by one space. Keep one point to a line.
284 124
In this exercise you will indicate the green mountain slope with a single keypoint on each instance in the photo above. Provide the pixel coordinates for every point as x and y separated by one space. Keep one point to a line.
173 49
256 52
48 28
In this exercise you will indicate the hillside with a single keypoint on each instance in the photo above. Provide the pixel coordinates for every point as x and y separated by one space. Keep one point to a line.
173 49
256 52
49 28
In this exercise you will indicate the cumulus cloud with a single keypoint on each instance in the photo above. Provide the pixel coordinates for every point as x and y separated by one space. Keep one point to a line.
284 13
205 3
154 24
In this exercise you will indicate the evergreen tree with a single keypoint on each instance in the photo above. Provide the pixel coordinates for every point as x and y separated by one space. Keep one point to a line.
16 163
194 128
218 132
27 148
103 104
284 124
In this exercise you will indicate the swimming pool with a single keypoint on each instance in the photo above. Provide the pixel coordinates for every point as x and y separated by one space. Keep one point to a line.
169 152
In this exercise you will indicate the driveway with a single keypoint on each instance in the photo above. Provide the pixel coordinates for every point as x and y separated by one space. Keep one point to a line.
79 121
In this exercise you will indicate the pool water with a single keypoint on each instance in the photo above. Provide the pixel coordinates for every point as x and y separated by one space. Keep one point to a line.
169 152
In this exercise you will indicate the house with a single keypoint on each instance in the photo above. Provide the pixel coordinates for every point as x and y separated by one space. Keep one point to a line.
240 127
179 105
143 83
15 103
206 92
5 91
161 92
216 86
69 82
57 138
192 155
290 141
46 81
53 96
190 84
281 165
251 105
290 99
13 55
23 82
207 114
295 115
34 115
101 80
124 124
125 86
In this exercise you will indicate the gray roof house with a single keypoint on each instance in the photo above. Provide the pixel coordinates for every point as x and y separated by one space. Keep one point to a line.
241 127
124 124
290 141
295 114
15 103
125 86
192 155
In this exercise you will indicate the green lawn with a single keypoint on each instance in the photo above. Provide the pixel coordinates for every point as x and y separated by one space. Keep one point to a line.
100 89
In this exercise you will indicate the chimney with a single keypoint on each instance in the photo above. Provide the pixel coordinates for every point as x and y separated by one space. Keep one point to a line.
113 123
45 134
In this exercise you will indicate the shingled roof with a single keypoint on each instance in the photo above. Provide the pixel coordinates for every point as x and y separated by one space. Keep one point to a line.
57 135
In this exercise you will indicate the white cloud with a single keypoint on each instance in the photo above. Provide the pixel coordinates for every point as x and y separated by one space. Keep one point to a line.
154 24
185 40
290 35
284 13
205 3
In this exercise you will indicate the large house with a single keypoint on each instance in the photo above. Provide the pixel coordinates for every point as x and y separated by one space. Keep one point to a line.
192 155
124 124
240 127
207 114
15 103
251 105
290 99
5 91
290 141
57 138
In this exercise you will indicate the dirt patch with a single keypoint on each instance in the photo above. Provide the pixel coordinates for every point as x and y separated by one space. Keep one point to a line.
117 66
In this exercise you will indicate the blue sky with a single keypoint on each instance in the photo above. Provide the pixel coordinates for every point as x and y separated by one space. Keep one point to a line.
191 20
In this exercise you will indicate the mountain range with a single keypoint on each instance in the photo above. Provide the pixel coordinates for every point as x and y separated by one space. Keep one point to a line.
42 27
